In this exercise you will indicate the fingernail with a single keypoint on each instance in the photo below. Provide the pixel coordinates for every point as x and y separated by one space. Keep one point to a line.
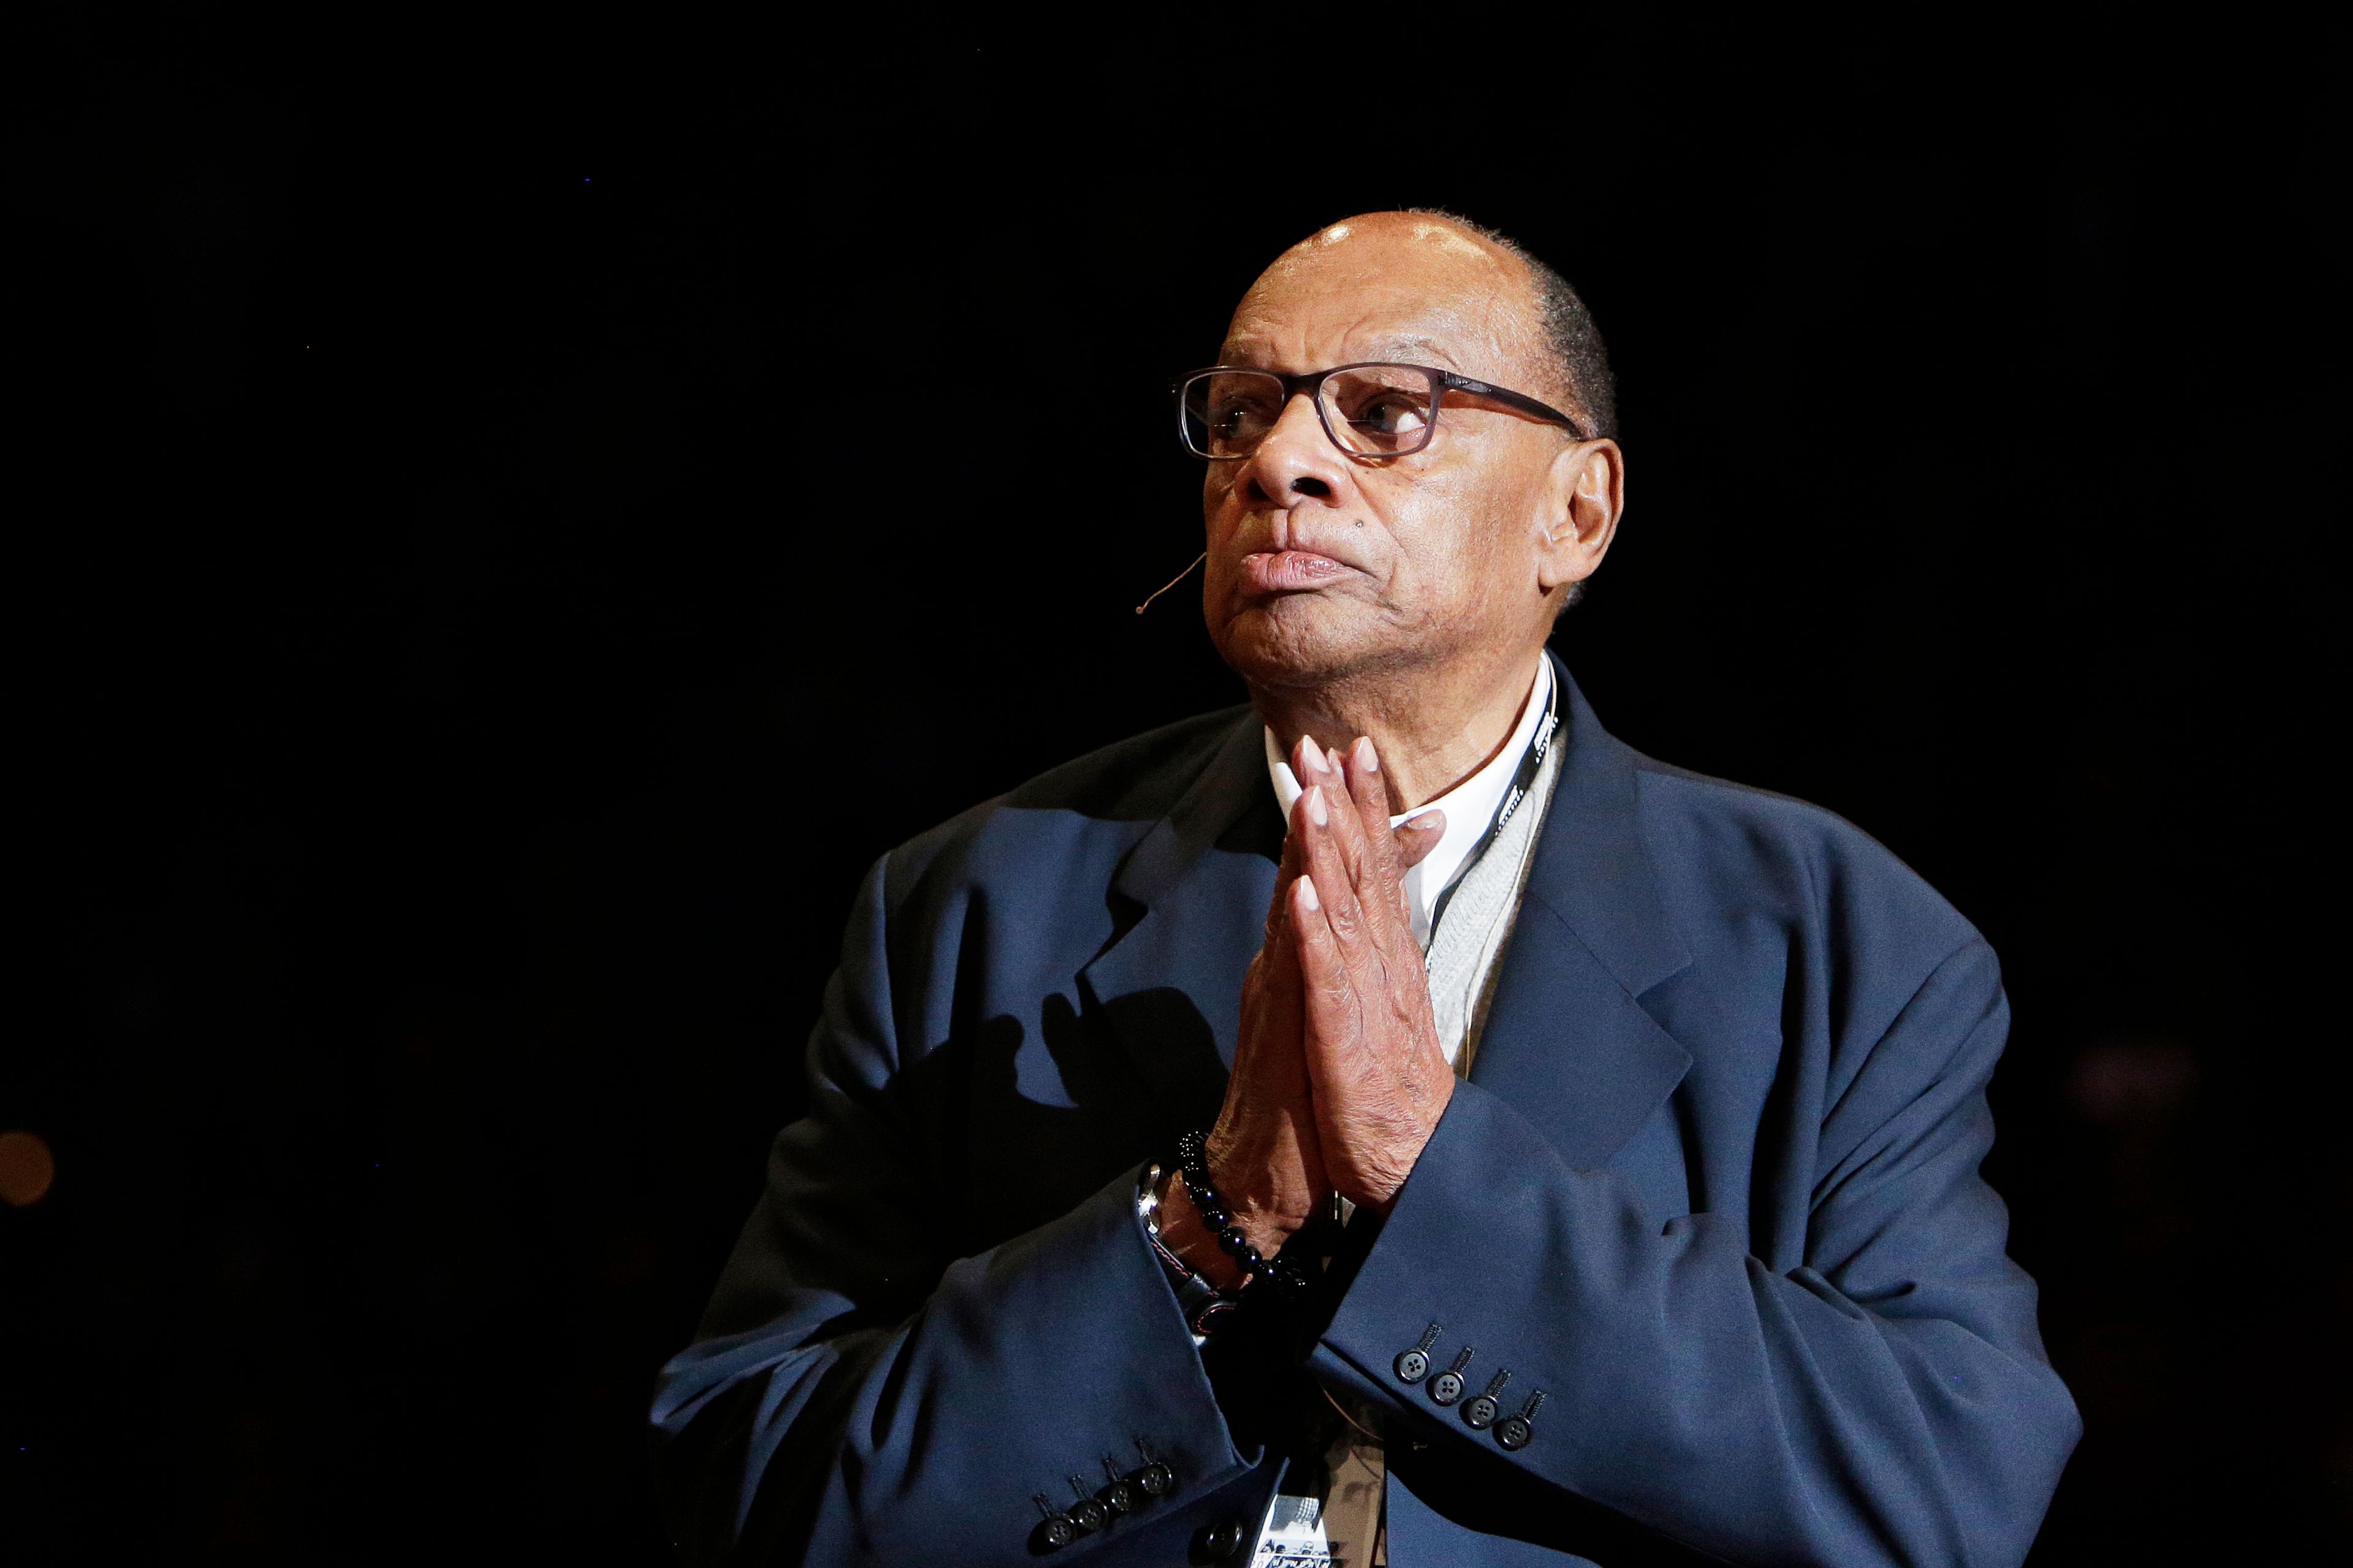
1315 757
1307 894
1364 757
1316 814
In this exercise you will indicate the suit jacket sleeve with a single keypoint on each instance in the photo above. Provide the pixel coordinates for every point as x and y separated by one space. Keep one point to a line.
1885 1402
857 1396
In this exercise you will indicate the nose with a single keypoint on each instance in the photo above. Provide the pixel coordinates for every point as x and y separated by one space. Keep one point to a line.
1295 461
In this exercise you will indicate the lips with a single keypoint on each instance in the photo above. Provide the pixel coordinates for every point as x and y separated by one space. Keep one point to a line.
1288 571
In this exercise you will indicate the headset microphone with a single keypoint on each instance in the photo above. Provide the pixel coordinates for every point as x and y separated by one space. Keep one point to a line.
1172 582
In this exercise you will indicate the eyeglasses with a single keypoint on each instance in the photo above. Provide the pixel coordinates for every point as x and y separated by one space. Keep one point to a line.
1367 410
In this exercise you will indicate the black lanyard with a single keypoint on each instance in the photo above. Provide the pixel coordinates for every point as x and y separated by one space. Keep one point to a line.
1513 798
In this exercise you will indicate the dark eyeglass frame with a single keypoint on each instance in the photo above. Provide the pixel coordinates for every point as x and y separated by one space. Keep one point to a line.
1442 382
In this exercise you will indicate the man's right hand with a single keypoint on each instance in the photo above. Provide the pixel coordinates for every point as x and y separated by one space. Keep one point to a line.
1263 1156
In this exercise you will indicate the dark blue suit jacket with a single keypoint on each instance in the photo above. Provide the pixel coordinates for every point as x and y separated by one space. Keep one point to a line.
1712 1186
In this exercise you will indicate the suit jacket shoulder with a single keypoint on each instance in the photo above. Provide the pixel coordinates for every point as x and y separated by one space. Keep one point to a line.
1726 852
1115 793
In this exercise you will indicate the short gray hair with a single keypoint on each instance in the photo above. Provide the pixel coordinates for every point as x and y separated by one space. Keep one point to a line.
1570 332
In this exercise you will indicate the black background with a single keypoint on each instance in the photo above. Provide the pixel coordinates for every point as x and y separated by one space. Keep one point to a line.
505 529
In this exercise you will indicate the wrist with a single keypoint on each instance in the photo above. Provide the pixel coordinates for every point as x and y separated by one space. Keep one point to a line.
1229 1227
1183 1232
1269 1210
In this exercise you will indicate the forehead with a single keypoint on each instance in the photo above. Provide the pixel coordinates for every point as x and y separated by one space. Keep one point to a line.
1410 287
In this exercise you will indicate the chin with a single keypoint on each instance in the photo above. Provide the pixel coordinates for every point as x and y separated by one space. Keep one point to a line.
1301 640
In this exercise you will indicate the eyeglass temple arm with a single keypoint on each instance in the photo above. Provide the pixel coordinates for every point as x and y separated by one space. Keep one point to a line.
1511 399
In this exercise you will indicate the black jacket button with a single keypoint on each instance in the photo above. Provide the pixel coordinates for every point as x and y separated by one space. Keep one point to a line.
1413 1364
1055 1529
1480 1411
1447 1387
1155 1479
1222 1541
1515 1431
1090 1514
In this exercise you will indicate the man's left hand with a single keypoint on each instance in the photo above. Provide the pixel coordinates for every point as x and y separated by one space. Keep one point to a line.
1379 1078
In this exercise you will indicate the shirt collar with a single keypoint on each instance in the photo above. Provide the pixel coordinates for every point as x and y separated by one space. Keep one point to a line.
1470 806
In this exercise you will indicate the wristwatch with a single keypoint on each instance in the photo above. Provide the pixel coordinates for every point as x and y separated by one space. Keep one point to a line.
1200 1301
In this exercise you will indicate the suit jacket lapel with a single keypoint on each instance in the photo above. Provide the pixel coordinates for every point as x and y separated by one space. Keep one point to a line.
1566 1040
1188 906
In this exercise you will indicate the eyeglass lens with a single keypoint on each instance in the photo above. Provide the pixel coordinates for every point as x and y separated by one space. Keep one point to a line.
1377 410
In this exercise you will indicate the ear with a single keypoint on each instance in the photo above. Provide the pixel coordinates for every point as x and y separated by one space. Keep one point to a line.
1585 493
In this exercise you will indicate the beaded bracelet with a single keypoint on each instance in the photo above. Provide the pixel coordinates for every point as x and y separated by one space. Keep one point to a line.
1192 1170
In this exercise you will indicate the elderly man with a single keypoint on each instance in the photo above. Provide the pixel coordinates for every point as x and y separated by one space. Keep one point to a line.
1393 1122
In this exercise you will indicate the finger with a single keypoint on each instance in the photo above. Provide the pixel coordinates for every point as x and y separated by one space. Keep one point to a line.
1416 838
1275 961
1374 920
1368 787
1370 790
1397 849
1312 765
1335 1040
1267 1051
1286 871
1287 868
1282 952
1282 949
1333 770
1327 990
1320 821
1361 852
1369 850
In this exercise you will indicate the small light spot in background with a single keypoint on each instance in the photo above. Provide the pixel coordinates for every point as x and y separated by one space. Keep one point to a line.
27 1167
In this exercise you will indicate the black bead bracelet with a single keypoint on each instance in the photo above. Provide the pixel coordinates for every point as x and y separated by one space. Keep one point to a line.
1192 1169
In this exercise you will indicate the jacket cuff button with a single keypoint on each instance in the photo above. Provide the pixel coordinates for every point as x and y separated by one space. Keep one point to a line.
1054 1530
1513 1432
1413 1364
1447 1387
1479 1413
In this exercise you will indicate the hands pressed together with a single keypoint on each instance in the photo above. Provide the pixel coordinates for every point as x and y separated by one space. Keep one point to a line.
1338 1075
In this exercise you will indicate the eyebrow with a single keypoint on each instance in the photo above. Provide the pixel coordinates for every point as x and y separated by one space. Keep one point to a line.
1411 344
1415 343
